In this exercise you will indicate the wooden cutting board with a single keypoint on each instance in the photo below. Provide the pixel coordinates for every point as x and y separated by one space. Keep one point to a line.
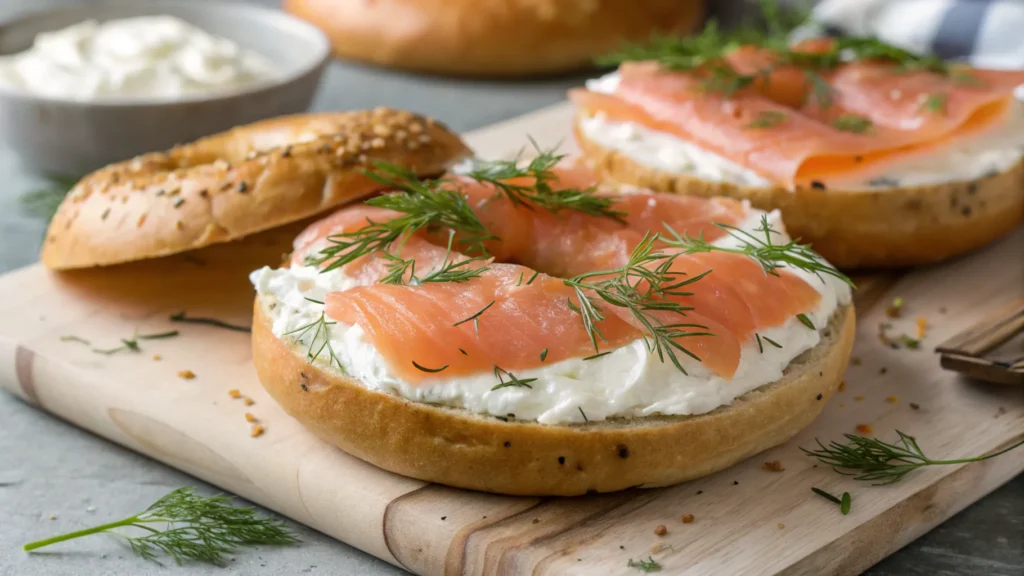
748 520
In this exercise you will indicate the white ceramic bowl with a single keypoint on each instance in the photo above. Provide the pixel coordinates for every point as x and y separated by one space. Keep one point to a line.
72 137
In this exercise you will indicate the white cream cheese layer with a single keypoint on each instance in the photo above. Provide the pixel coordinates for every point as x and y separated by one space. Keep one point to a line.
142 57
628 382
967 158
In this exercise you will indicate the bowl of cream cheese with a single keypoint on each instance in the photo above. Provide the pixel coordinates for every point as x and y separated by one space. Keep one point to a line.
86 86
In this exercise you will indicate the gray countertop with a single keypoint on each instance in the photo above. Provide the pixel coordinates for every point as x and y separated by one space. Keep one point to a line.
56 478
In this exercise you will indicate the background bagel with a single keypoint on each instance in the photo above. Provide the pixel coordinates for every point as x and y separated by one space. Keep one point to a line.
491 37
468 450
238 182
869 228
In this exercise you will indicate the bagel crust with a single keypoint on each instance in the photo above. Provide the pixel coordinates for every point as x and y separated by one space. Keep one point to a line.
239 182
869 228
467 450
491 37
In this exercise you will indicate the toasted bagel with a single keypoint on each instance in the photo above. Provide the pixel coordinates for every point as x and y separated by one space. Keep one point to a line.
238 182
460 448
865 228
491 37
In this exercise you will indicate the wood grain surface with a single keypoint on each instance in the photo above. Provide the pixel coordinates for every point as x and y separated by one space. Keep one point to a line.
747 520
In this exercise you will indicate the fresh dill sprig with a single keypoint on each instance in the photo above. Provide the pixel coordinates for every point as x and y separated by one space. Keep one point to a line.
194 527
767 119
874 460
852 123
642 288
181 317
319 331
43 202
538 190
646 566
762 249
132 343
843 503
451 269
501 374
423 205
935 102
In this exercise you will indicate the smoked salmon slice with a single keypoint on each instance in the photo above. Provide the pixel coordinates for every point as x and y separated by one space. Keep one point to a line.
896 112
521 314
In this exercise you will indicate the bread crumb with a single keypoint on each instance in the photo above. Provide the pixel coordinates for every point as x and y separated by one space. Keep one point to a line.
248 401
892 399
660 530
841 405
157 357
657 548
915 406
781 525
773 466
842 386
235 393
257 430
858 398
536 520
855 361
864 428
186 374
687 519
249 417
53 516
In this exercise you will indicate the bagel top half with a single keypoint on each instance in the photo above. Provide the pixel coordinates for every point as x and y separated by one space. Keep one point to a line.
229 185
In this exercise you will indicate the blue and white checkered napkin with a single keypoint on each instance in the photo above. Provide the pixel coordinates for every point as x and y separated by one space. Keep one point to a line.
986 33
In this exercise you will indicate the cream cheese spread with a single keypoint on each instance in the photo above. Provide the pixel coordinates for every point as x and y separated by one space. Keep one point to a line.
967 158
149 57
627 382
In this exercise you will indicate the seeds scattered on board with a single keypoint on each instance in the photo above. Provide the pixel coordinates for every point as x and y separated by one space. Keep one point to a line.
864 428
250 418
892 399
186 374
248 401
235 393
687 519
773 466
257 430
660 530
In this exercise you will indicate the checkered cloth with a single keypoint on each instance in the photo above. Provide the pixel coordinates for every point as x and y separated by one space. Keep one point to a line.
986 33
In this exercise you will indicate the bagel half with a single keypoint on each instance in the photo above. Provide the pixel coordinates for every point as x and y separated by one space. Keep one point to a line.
867 228
238 182
491 37
460 448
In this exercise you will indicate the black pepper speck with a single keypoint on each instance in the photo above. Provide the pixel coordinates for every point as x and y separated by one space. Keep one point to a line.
623 451
818 396
508 444
817 185
561 460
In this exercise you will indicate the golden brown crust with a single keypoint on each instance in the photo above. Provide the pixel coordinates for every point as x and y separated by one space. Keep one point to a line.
458 448
491 37
869 228
238 182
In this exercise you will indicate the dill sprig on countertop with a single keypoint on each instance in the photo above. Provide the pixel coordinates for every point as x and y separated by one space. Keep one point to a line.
874 460
642 287
762 249
187 526
539 190
423 205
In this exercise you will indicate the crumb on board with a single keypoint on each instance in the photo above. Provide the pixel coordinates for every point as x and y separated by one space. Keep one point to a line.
841 405
660 530
922 327
657 548
235 393
186 374
773 466
864 428
536 520
842 385
248 401
257 430
687 519
858 398
781 525
883 370
855 360
893 311
157 357
915 406
892 399
250 418
53 516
